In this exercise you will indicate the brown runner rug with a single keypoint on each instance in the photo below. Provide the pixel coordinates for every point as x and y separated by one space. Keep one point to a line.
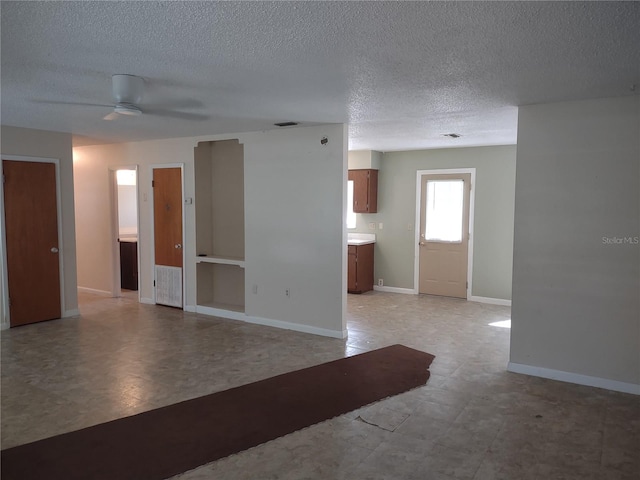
170 440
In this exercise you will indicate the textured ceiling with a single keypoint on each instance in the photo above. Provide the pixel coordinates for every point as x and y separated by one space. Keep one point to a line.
401 74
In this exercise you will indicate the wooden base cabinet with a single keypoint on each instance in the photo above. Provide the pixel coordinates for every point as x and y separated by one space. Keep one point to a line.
129 265
360 268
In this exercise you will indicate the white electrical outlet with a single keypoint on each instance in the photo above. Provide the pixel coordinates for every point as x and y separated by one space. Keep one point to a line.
380 226
287 292
410 226
372 225
254 289
380 282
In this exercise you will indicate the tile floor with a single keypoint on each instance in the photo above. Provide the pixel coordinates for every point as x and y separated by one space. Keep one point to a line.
473 420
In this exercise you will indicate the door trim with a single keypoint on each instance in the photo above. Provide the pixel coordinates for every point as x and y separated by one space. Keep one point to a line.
5 321
116 288
153 232
416 258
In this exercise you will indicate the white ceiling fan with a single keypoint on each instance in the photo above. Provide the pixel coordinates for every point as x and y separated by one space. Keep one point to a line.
127 92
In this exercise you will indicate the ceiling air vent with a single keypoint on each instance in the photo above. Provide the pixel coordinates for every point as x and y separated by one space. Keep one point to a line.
452 135
286 124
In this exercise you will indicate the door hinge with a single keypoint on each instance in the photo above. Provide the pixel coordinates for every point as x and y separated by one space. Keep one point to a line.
153 183
467 286
154 283
4 179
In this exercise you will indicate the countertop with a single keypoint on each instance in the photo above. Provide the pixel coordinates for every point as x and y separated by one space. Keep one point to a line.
361 238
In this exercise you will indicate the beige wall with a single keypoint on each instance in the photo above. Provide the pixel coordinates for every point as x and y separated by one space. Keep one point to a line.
576 291
95 232
493 225
294 205
38 143
96 236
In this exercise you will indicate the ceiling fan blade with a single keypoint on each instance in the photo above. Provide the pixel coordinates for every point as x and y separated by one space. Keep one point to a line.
53 102
197 117
111 116
184 103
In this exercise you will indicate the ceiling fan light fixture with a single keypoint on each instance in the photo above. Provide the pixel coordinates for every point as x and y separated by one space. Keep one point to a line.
127 109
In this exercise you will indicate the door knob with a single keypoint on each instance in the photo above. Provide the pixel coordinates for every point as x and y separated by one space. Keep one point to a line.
54 250
178 245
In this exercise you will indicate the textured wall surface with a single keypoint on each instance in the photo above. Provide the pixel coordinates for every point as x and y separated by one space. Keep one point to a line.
576 306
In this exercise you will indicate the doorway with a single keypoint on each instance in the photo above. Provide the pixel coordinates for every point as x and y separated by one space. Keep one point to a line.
126 227
32 241
444 212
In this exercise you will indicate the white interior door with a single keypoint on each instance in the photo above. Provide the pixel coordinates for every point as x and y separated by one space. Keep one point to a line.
444 234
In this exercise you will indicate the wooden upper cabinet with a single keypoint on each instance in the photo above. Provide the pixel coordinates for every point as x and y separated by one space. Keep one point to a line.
365 190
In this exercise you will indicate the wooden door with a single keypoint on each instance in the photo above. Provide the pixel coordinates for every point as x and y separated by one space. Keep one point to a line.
33 264
167 216
444 234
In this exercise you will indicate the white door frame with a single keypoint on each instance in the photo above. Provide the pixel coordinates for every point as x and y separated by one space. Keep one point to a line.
416 262
116 288
5 320
153 230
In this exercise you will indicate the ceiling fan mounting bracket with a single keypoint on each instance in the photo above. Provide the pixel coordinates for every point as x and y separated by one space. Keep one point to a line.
127 109
127 89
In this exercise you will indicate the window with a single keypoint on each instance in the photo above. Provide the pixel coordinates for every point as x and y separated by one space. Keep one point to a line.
444 210
351 216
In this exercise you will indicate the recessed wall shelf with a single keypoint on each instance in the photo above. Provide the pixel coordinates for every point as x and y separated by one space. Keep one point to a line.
238 261
219 202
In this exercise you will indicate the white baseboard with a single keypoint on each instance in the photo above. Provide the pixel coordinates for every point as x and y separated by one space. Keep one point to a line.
95 291
74 312
574 378
243 317
190 308
148 301
489 300
406 291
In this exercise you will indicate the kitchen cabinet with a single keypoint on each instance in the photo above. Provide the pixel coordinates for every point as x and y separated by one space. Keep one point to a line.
129 265
360 268
365 190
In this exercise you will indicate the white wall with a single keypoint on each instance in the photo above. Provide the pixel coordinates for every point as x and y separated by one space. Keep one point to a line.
295 192
364 159
127 211
295 200
576 295
44 144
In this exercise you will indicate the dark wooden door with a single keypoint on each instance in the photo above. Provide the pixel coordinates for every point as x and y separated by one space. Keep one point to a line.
167 216
33 264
